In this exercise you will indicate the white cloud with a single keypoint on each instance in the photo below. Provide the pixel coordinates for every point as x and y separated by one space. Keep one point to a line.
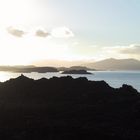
15 32
121 52
132 49
42 33
97 52
62 32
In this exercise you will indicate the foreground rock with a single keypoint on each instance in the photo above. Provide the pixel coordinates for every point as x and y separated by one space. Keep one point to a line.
76 72
67 109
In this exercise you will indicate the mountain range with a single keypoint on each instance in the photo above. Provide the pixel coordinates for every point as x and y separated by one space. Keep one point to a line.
115 64
107 64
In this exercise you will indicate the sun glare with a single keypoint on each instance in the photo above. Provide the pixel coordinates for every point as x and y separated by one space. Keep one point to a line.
4 76
20 19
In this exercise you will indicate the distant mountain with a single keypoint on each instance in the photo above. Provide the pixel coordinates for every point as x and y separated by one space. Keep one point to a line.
115 64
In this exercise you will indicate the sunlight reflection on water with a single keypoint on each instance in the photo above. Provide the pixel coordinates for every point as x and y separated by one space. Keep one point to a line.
4 76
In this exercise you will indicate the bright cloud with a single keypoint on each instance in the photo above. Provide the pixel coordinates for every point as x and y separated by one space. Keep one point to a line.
122 52
15 32
62 32
42 33
96 52
132 49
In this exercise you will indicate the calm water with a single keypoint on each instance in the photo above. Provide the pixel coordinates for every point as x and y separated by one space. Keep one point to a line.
114 79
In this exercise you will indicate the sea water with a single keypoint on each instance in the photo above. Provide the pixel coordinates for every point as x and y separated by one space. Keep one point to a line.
114 78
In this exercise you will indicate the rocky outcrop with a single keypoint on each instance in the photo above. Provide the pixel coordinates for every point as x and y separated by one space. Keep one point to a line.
66 108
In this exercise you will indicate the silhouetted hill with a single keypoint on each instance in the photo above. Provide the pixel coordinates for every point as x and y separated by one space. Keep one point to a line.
115 64
66 108
76 72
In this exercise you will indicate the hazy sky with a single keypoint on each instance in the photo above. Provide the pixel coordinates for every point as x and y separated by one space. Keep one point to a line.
32 31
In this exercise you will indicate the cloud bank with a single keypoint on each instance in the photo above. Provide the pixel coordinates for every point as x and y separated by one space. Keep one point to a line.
132 49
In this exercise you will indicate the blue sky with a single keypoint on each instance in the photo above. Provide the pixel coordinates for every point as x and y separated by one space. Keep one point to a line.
72 30
106 22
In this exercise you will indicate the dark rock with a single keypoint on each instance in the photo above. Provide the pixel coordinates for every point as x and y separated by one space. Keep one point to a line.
66 108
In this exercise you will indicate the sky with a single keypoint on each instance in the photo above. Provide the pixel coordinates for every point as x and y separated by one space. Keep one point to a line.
42 31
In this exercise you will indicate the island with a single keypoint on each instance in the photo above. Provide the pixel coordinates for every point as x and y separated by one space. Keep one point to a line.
68 109
28 69
37 69
76 72
75 68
